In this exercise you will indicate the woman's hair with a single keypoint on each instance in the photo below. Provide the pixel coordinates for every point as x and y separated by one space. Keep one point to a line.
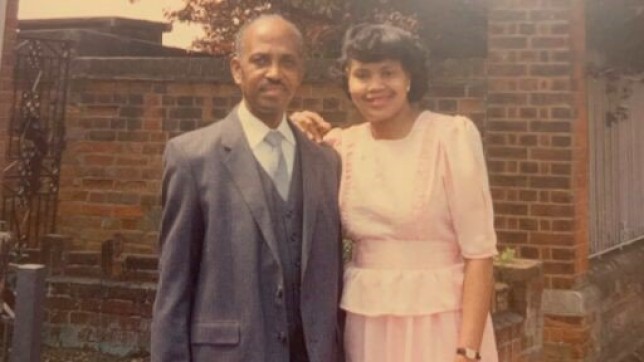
369 43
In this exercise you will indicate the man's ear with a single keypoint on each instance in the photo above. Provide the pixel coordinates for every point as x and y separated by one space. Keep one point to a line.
235 69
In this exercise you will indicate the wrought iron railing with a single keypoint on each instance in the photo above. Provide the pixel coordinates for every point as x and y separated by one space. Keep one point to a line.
36 139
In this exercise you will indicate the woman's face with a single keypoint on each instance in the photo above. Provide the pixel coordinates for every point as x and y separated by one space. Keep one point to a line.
379 89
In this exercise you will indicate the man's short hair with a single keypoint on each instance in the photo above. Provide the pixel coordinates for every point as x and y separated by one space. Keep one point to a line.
239 38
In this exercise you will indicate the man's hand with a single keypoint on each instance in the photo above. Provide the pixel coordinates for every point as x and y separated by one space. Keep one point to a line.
312 124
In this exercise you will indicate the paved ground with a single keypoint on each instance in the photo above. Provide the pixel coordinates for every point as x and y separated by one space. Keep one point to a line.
74 355
636 356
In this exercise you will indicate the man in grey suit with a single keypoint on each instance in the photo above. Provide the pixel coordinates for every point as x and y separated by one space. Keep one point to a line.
250 265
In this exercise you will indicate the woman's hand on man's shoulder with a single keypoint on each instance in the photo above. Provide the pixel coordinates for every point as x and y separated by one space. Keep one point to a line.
311 124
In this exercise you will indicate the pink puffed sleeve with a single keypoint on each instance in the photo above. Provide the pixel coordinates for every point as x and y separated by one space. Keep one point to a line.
468 190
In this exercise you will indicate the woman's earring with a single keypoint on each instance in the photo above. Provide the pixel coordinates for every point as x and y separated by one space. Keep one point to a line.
408 88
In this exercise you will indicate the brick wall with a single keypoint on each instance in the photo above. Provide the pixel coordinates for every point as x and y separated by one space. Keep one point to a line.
536 137
120 114
531 134
6 74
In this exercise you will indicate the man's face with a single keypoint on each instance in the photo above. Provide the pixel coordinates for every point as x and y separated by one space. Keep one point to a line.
269 69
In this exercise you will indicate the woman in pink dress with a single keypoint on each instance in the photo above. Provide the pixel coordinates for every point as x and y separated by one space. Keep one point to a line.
415 202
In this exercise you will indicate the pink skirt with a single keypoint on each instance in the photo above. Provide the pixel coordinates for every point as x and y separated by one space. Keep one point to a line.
419 338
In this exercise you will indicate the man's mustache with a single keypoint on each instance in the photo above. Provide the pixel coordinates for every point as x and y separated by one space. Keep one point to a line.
272 83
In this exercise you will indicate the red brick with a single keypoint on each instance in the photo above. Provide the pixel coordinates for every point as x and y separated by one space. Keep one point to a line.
61 303
528 224
528 195
560 282
529 167
507 15
507 126
97 210
119 307
555 239
507 152
528 112
550 42
528 140
550 126
550 70
527 29
529 252
512 237
509 180
506 70
495 139
544 225
552 210
550 182
564 197
558 268
508 42
561 141
58 317
549 15
131 161
84 318
545 154
495 167
561 169
128 211
562 225
510 208
563 253
541 99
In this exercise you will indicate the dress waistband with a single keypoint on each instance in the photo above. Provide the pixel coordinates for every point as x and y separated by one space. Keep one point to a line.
405 254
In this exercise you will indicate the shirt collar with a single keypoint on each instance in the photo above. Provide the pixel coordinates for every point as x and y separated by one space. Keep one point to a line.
256 130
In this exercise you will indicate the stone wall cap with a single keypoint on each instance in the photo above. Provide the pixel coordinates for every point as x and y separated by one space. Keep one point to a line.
102 282
505 319
185 68
518 269
91 22
30 267
578 302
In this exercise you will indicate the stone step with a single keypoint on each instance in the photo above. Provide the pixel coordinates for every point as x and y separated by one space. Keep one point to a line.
83 271
141 262
87 258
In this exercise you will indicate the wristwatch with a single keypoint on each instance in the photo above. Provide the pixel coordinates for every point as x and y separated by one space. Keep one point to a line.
469 353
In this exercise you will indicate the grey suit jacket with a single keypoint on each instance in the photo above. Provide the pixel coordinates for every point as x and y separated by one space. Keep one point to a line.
220 295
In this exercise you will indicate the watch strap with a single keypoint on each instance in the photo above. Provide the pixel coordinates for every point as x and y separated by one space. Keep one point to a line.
469 353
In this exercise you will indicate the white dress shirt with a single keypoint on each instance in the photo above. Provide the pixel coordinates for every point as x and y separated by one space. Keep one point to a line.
255 130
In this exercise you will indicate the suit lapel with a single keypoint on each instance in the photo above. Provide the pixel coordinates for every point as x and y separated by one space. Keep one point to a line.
310 186
241 164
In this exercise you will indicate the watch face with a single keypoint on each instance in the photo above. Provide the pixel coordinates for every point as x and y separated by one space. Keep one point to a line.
468 353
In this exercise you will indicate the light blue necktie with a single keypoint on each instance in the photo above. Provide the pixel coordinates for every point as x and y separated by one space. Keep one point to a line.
277 170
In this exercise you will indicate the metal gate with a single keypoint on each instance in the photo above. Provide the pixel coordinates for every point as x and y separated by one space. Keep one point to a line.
35 139
616 164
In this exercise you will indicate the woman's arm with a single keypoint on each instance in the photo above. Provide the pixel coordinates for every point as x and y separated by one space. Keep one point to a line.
477 296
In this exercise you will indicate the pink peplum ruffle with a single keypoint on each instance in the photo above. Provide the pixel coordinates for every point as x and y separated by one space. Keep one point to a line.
403 278
376 292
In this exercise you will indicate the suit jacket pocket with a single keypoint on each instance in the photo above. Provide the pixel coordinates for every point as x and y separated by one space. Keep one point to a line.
217 333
